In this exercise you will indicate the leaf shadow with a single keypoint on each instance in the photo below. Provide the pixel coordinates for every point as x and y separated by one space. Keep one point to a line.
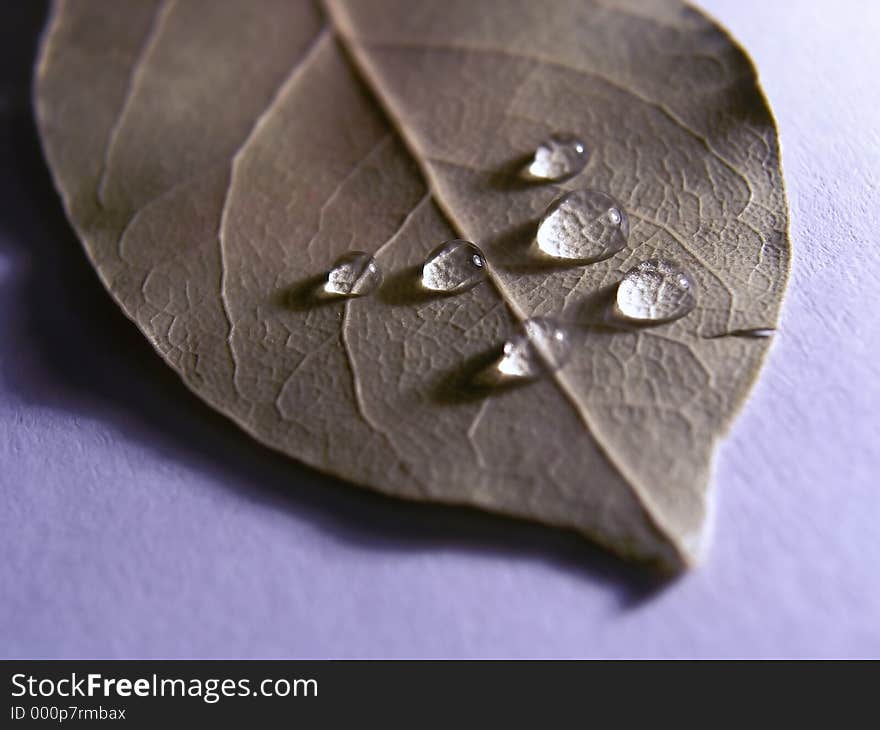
305 294
404 287
513 175
597 310
118 378
468 381
515 241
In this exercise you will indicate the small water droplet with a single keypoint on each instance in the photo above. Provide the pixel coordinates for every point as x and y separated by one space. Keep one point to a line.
755 333
354 274
759 333
454 267
541 346
656 290
558 157
583 226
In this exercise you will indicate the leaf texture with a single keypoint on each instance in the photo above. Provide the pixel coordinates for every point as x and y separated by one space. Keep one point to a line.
215 155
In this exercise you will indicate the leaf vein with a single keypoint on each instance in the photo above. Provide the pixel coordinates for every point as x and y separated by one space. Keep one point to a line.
163 10
674 118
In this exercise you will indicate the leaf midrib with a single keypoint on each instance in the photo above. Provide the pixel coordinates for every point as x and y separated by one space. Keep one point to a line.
364 70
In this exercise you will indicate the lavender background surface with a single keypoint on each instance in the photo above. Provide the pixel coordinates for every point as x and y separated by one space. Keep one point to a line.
136 523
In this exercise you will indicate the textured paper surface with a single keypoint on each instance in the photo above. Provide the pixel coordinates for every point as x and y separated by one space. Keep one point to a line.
134 523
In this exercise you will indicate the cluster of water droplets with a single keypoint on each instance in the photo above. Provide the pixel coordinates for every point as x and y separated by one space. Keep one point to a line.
586 226
579 227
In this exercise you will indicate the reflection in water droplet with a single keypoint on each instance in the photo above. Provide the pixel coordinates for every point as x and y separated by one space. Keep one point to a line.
453 267
558 157
354 274
656 290
583 226
541 346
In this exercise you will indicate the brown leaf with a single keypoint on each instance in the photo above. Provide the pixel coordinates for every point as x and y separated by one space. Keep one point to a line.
217 157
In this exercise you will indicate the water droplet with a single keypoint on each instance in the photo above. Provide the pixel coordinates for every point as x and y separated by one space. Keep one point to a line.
454 267
756 333
541 346
760 333
583 226
558 157
656 290
354 274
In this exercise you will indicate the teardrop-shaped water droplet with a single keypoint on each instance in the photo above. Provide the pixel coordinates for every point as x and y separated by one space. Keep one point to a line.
754 333
541 346
656 290
454 267
758 333
354 274
583 226
558 157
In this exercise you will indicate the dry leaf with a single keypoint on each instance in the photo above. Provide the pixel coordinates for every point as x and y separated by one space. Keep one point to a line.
213 156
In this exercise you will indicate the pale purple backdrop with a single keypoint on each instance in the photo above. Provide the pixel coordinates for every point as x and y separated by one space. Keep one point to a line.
135 523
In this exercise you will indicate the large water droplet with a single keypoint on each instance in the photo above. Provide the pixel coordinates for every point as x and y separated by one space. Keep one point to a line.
656 290
541 346
354 274
453 267
583 226
558 157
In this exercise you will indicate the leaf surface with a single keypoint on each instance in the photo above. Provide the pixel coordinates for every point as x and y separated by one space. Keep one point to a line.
216 156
